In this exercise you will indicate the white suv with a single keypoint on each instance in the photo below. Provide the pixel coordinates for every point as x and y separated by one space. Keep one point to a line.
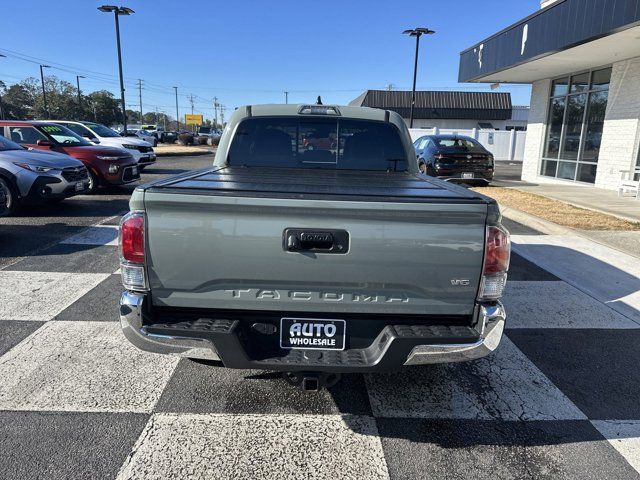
140 150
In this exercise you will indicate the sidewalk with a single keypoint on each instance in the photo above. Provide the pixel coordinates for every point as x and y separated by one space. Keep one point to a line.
591 198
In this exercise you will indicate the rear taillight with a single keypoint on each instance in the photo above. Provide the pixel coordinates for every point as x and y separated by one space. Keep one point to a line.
132 251
497 253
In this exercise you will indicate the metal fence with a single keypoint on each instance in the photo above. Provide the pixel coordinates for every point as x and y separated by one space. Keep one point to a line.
503 144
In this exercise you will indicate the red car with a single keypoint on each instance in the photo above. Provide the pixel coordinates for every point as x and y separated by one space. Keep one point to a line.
106 165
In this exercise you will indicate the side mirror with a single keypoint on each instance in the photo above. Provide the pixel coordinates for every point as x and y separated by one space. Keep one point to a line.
44 143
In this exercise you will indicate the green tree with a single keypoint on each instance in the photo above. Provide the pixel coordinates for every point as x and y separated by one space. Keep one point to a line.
103 108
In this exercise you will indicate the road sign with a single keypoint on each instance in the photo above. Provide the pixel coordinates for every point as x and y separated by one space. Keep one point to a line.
191 119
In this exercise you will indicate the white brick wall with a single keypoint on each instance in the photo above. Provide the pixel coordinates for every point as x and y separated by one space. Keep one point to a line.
620 135
536 129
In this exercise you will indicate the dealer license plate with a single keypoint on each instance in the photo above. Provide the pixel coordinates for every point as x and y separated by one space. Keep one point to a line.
467 175
134 171
312 334
79 186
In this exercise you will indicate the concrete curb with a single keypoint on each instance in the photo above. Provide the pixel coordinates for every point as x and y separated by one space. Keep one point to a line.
537 223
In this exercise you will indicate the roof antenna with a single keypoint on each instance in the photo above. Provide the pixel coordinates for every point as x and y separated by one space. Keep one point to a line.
319 101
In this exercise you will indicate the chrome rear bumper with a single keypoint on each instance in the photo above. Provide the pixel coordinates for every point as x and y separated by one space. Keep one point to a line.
131 307
490 326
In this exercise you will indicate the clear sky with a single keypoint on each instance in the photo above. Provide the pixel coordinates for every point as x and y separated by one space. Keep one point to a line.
251 51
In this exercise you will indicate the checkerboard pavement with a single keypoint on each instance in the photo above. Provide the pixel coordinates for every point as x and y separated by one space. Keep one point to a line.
558 399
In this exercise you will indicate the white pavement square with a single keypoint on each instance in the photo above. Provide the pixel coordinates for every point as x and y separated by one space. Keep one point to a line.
220 446
503 386
624 436
81 366
611 276
98 235
557 305
42 295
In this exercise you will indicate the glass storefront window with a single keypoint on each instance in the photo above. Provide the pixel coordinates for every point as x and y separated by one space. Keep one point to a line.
560 87
575 122
595 125
580 83
573 126
556 117
601 79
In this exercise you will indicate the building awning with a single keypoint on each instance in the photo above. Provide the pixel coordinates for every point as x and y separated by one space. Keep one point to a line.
567 36
440 105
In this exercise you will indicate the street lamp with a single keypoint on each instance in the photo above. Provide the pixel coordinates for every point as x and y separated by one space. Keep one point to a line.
416 32
44 92
117 11
1 111
78 77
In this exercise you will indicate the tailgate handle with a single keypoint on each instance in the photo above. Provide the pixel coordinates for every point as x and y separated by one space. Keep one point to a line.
323 241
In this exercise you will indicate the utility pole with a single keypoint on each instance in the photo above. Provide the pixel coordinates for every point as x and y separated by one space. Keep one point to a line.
215 109
140 96
177 113
286 97
416 32
78 77
222 115
44 92
193 127
1 111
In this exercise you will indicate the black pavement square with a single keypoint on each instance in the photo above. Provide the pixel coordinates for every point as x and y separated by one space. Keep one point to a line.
596 368
201 388
516 228
522 269
66 445
12 332
461 449
71 258
98 304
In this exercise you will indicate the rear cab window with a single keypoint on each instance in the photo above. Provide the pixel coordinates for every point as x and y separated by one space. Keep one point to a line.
316 142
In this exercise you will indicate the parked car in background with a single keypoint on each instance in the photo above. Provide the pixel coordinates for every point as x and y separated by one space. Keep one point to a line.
142 134
170 137
3 201
33 176
94 132
454 158
105 165
156 130
210 133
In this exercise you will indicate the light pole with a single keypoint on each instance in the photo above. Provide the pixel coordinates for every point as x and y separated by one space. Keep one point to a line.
44 92
1 111
416 32
117 11
286 97
177 114
78 77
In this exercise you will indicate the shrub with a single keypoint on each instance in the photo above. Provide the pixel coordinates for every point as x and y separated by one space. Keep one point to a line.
202 140
185 139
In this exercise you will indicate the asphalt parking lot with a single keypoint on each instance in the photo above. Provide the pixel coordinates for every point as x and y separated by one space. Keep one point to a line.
559 399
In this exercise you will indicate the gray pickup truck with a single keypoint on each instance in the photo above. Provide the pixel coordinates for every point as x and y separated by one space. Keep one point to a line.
313 246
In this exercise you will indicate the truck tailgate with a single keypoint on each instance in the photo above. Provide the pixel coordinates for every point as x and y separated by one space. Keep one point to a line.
215 241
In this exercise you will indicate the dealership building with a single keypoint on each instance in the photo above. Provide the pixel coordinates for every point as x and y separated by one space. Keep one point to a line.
582 58
450 110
